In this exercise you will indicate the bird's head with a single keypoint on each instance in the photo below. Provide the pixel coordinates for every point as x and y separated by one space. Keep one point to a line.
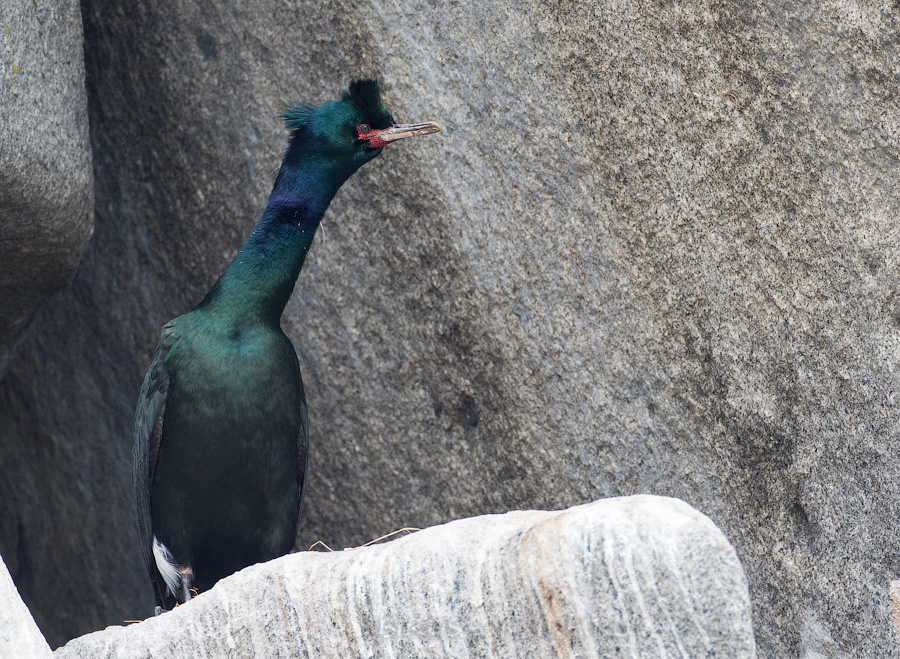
344 135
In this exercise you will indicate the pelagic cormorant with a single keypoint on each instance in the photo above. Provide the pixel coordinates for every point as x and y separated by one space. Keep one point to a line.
221 430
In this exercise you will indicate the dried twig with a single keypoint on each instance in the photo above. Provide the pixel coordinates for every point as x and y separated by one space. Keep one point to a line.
405 529
408 529
734 98
319 542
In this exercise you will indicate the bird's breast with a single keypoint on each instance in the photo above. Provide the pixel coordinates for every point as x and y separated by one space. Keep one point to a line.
228 456
235 387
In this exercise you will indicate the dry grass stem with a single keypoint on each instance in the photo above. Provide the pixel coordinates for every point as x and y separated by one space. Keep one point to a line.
408 529
405 529
319 542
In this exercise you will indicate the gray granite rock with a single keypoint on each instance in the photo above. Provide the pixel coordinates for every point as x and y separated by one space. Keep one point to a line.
46 178
639 577
20 638
654 251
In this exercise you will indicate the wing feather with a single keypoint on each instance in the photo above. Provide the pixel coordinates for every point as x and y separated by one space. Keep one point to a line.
302 456
148 428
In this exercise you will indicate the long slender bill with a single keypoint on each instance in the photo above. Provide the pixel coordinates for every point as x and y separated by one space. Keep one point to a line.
400 131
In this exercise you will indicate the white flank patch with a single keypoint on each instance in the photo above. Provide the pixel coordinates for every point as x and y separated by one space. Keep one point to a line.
166 565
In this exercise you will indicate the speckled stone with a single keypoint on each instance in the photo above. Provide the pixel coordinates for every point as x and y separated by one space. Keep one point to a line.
20 638
634 577
655 251
46 178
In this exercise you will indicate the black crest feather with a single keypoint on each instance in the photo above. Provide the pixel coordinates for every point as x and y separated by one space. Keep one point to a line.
366 96
363 94
298 116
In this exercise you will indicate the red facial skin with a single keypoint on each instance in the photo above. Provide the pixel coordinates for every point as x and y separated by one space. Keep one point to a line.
372 137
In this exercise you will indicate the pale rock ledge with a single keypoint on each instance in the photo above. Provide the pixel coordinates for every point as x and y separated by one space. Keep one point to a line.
639 576
20 637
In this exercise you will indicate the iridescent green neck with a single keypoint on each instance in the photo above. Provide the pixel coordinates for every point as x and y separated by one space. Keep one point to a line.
259 281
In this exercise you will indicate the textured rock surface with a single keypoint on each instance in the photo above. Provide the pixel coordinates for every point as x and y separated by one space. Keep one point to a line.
20 638
637 577
46 178
655 251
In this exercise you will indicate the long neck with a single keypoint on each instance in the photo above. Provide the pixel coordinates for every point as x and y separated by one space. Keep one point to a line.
259 281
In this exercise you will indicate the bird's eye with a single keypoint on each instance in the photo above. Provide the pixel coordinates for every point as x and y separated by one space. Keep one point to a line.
363 129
